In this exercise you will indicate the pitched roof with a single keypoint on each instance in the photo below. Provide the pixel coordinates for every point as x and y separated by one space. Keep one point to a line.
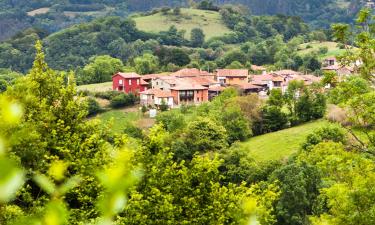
286 72
184 84
204 81
232 72
248 86
128 75
190 72
266 77
157 93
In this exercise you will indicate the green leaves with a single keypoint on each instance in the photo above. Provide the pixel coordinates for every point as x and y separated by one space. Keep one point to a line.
11 179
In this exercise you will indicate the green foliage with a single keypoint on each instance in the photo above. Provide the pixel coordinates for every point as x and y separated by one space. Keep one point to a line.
171 121
146 64
332 133
99 69
204 135
351 87
163 106
299 187
93 106
123 100
235 124
273 119
197 37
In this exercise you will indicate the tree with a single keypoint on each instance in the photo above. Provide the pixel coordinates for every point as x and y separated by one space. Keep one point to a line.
299 186
332 133
146 64
54 128
273 119
100 69
203 135
236 125
197 37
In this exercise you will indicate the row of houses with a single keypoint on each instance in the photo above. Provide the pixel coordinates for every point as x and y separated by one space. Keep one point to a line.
194 86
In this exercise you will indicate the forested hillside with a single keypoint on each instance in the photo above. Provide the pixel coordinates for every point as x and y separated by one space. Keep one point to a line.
251 39
53 15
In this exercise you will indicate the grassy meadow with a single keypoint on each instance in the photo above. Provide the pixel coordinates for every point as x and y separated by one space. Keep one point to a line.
281 144
209 21
333 50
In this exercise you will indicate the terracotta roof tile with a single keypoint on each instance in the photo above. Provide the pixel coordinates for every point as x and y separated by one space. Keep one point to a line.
232 72
157 93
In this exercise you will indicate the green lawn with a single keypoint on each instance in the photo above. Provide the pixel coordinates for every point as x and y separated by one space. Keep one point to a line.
281 144
119 119
107 86
210 22
333 50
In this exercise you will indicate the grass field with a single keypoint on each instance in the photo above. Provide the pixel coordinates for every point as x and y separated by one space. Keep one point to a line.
120 118
333 50
281 144
210 22
107 86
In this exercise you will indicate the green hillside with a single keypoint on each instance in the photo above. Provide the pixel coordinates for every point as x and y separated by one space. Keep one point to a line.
281 144
209 21
333 49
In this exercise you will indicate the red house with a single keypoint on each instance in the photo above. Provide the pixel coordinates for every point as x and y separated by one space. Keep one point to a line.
128 83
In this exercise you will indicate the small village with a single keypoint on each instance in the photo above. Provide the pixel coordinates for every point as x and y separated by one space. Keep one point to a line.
192 86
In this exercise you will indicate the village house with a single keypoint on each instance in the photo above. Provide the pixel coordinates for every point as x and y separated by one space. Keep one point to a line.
232 76
267 81
128 83
189 94
156 97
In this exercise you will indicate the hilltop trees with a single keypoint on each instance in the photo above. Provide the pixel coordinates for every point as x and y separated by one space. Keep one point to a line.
197 37
99 70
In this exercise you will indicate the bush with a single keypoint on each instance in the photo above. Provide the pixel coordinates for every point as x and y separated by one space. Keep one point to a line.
109 95
329 133
134 131
93 107
308 46
323 50
123 100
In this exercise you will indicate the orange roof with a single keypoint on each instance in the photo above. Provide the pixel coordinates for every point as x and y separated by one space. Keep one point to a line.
248 86
201 80
128 75
286 72
232 72
157 93
190 72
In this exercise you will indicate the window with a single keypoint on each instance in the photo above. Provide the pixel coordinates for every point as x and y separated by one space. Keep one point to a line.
137 81
120 81
130 82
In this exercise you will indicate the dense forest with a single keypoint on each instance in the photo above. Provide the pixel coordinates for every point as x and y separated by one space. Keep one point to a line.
271 40
17 15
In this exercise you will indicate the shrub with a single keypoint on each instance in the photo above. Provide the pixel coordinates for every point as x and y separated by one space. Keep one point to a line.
123 100
134 131
109 95
308 46
329 133
323 50
93 107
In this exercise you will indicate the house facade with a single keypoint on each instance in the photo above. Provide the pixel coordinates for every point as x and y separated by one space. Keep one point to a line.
156 97
232 76
128 83
189 94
